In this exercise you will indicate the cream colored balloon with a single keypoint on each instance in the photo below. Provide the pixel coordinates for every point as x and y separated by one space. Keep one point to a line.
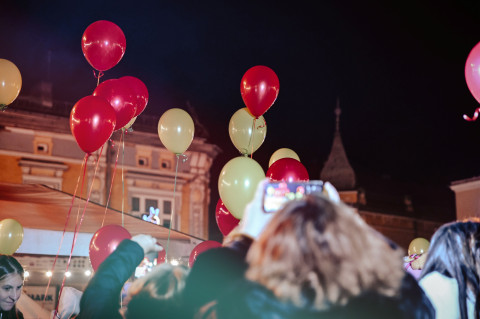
129 124
238 182
246 132
175 129
10 82
282 153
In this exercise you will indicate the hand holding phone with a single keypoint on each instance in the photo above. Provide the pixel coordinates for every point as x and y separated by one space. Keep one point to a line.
276 194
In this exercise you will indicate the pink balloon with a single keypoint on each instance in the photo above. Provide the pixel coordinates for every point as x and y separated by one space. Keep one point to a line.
472 72
287 170
140 93
225 220
103 44
200 248
120 97
104 242
92 121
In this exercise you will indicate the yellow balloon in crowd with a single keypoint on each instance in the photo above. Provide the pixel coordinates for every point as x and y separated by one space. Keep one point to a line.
246 132
10 82
175 129
238 182
11 236
282 153
418 246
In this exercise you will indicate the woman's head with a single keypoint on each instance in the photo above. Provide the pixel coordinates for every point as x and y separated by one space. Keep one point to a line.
455 252
11 282
317 253
157 292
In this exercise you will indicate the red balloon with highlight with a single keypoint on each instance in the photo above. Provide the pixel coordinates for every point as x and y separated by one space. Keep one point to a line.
200 248
287 170
472 72
139 91
104 242
92 121
259 88
120 97
225 220
103 44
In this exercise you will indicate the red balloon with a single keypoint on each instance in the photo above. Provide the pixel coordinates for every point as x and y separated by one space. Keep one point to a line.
472 72
225 220
120 97
259 88
200 248
161 256
103 44
140 93
287 170
104 242
92 121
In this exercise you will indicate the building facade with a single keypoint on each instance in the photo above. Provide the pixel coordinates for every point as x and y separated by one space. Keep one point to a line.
132 173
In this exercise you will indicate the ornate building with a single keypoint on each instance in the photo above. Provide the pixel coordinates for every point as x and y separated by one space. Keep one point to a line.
134 172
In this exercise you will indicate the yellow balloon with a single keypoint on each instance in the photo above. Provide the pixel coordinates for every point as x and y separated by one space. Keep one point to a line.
418 246
246 132
238 182
282 153
10 82
11 236
175 129
129 124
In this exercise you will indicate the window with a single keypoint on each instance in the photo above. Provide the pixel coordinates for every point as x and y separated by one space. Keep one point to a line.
142 204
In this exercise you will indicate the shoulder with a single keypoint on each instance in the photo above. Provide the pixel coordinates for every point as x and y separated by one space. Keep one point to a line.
443 293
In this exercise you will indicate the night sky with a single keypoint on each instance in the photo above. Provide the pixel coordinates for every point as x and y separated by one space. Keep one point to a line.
397 69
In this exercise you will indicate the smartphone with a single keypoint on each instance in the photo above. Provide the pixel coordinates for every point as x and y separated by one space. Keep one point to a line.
276 194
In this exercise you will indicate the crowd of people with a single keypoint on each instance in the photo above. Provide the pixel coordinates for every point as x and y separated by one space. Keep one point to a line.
313 258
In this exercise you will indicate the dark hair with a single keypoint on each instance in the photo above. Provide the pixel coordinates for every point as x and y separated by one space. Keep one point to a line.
9 265
455 252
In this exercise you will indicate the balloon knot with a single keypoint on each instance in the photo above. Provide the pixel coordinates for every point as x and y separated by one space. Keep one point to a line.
184 157
3 107
474 117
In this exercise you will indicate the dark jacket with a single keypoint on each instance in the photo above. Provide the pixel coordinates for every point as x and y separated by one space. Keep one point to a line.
101 298
251 300
14 313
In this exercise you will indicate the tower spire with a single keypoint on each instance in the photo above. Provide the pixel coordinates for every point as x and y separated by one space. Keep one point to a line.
337 169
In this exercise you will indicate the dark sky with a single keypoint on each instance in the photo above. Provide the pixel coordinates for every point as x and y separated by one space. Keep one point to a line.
397 68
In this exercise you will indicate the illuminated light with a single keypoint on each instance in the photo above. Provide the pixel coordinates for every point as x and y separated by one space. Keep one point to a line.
26 274
68 274
174 262
247 183
49 273
88 273
179 129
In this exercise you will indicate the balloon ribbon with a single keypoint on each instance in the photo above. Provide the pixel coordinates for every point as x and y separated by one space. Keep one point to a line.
474 117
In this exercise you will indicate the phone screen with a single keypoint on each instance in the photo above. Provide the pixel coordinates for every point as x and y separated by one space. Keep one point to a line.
276 194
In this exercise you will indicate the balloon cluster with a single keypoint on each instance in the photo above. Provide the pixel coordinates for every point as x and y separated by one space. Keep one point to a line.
115 103
240 176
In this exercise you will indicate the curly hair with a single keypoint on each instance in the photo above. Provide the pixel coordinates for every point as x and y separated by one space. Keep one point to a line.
316 253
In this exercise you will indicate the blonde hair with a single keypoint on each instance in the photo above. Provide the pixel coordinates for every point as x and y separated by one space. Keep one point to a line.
317 253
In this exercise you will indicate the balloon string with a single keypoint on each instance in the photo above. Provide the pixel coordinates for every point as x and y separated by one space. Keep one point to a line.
64 230
251 137
100 74
173 202
474 117
123 181
111 184
77 228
